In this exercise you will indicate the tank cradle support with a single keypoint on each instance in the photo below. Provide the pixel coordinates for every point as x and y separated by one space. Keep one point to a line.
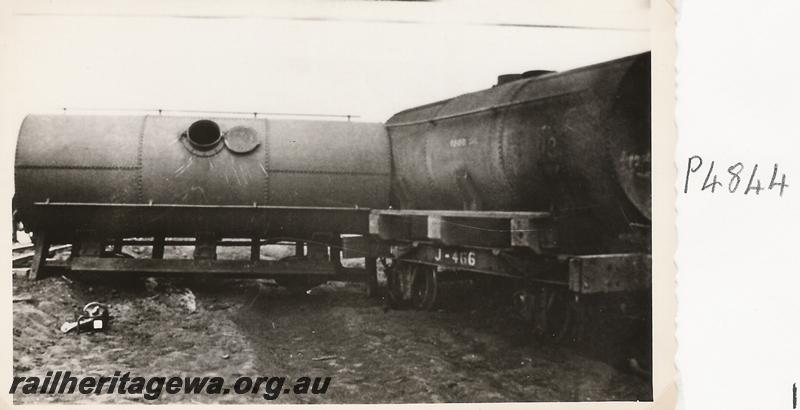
255 248
41 247
206 246
370 249
321 263
117 245
158 247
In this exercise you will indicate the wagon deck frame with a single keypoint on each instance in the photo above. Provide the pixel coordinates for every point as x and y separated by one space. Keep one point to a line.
485 229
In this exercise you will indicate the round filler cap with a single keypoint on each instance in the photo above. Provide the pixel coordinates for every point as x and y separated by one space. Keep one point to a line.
241 140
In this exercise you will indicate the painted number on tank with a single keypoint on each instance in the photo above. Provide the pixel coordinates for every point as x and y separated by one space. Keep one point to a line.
463 258
735 178
458 143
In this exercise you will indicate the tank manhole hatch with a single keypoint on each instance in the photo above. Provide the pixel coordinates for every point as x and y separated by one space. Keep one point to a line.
241 140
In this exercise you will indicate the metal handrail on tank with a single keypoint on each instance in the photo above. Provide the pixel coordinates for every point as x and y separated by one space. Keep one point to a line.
255 114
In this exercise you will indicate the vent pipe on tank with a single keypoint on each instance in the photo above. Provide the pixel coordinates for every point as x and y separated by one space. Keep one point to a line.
507 78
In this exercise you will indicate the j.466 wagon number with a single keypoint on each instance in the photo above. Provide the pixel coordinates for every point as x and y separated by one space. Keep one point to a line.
465 258
737 178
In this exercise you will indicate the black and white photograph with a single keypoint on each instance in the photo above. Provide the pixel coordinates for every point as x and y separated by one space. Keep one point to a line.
333 202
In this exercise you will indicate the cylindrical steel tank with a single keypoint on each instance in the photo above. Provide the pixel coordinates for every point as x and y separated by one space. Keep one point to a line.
575 143
190 161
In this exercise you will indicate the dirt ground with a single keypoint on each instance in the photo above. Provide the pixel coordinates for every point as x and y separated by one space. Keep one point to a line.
470 350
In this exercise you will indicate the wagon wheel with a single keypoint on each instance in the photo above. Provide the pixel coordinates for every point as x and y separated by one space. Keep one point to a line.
425 288
557 317
412 285
395 284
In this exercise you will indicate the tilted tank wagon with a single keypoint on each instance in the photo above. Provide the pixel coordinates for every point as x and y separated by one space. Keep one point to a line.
96 181
542 180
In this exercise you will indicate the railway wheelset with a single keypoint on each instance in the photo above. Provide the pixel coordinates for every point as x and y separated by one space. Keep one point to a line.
541 181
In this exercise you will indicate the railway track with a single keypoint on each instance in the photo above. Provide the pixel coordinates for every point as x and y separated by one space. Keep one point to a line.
22 254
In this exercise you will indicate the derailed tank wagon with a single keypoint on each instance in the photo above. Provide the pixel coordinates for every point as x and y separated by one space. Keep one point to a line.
96 181
542 181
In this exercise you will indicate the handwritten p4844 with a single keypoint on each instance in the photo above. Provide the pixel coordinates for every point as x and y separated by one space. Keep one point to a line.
733 180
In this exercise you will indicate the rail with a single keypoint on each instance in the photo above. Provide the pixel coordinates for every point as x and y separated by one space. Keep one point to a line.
27 256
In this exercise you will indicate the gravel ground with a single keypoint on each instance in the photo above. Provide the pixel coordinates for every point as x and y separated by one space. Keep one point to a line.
470 350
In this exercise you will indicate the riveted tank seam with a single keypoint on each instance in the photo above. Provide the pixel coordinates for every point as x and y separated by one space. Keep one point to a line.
292 171
429 176
429 181
501 125
140 149
501 160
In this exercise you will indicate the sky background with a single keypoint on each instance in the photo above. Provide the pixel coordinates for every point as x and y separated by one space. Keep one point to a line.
339 57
